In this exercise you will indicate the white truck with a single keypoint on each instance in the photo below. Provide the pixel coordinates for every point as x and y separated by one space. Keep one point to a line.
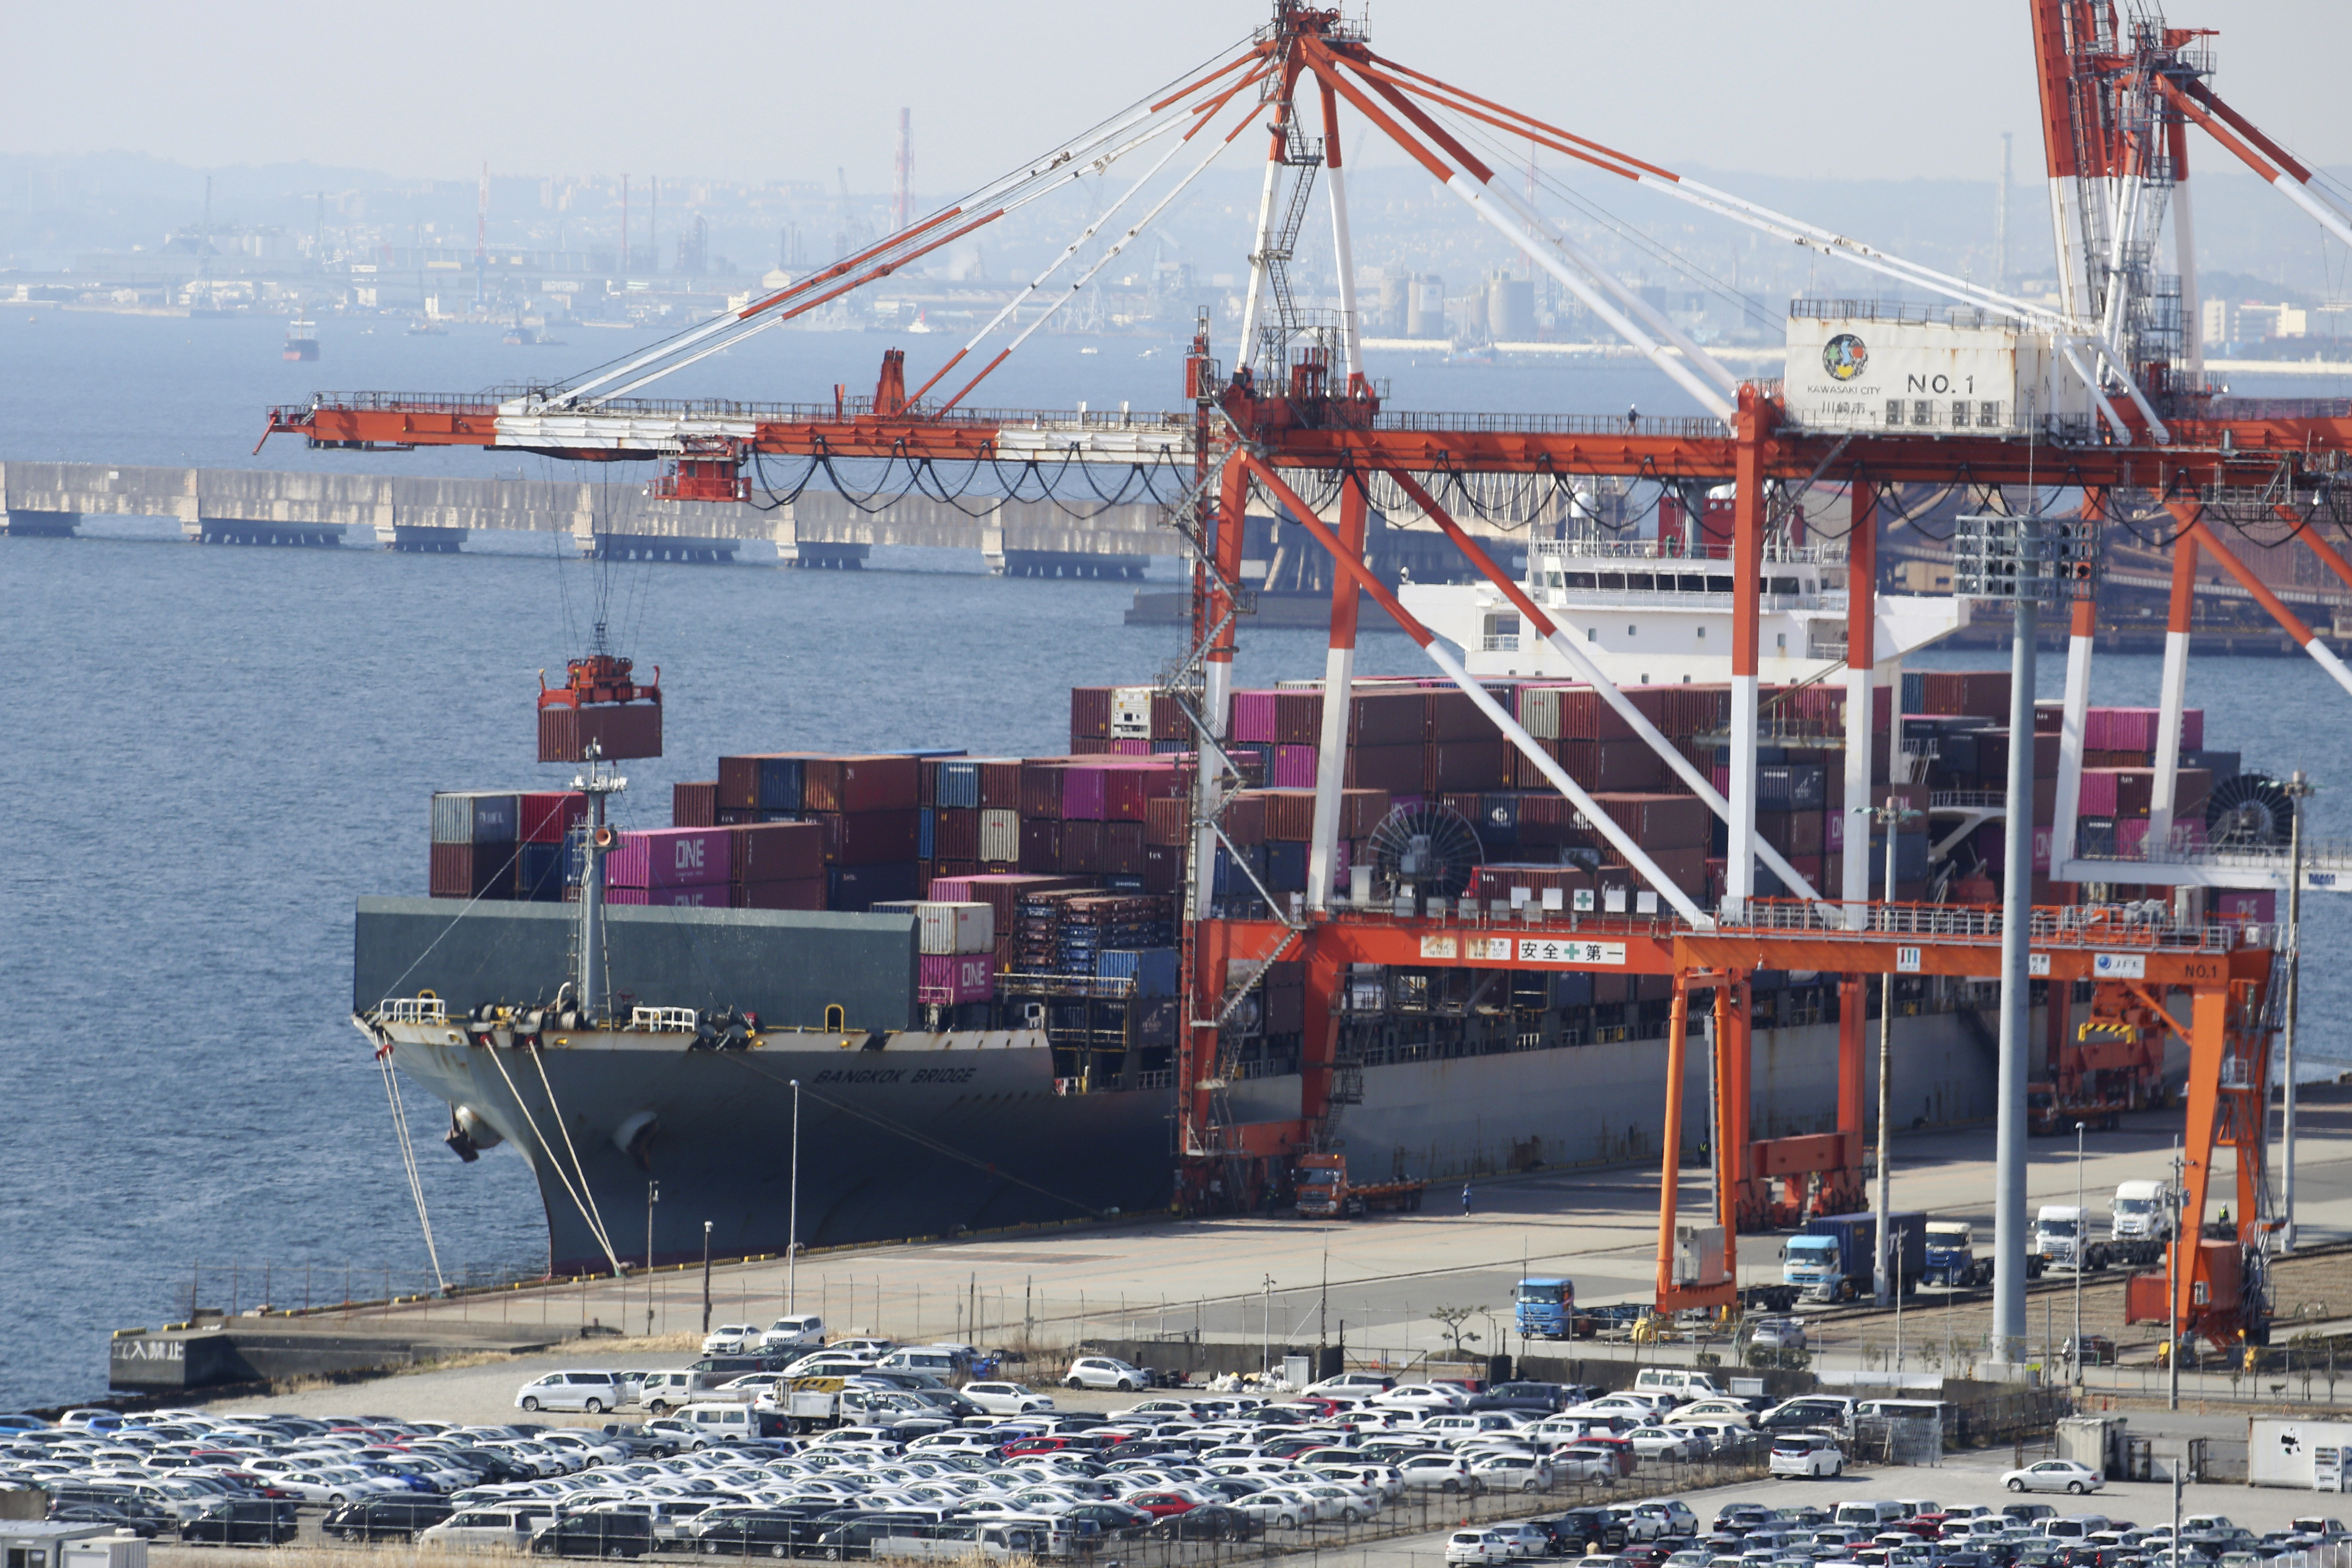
806 1404
2139 1222
2062 1239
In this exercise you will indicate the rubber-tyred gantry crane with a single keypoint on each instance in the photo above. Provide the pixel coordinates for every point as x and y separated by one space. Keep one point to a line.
2102 396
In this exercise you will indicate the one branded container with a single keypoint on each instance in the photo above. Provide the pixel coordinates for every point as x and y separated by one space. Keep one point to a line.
947 977
671 858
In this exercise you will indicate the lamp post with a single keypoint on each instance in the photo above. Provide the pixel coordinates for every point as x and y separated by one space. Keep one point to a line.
2172 1326
706 1277
1266 1328
1885 1286
653 1197
2298 788
793 1230
2081 1251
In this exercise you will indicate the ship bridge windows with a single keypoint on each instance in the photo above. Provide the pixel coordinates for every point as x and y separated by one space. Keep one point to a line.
1575 580
1610 582
1642 582
1719 584
1691 583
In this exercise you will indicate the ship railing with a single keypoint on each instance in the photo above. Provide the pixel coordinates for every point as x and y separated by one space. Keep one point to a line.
664 1020
1672 549
2149 925
1968 800
1685 599
412 1010
1501 642
1162 1078
1075 987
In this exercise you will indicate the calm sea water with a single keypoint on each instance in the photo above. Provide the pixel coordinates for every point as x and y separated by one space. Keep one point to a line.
210 754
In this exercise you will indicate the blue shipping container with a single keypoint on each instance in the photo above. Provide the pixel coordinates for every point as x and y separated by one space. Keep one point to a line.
926 833
539 873
956 785
1286 867
780 783
1153 969
857 888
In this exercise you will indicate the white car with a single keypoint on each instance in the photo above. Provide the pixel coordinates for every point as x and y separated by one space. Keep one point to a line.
1006 1398
1712 1411
1512 1472
1439 1472
594 1392
1477 1546
2055 1475
805 1332
1430 1397
1104 1372
732 1339
1806 1453
1662 1443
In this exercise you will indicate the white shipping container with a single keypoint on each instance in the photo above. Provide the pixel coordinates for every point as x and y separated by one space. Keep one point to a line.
1130 712
1540 711
949 929
1938 373
999 835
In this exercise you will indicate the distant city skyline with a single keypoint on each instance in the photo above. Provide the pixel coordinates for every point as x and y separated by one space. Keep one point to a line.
732 90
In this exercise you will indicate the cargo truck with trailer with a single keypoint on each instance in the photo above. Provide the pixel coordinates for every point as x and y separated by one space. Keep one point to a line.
1833 1258
1325 1193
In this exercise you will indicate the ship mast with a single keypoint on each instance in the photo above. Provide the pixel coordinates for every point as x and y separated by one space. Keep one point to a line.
596 781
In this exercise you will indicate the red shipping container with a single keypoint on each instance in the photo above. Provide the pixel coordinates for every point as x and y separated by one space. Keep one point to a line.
1041 788
1128 791
1453 766
867 784
618 731
1299 717
1123 847
943 979
547 816
1246 819
694 804
1090 712
803 893
1451 715
1168 720
626 895
1388 719
871 837
955 833
672 858
1360 811
1396 769
1793 833
1085 746
471 871
1659 821
1167 820
1289 814
1163 868
1082 847
1041 844
779 852
1000 783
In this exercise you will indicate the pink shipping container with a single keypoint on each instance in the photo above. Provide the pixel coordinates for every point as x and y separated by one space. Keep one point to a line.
949 929
1082 794
2099 791
627 896
1253 718
1294 767
2245 906
1131 748
671 858
2131 837
944 979
2134 728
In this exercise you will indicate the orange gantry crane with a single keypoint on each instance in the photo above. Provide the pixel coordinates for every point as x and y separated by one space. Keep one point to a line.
2101 397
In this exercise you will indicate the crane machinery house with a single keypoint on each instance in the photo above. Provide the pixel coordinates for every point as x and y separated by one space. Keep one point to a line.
1858 364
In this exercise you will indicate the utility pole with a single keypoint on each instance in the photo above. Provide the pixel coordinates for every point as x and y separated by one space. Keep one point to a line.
2082 1252
2298 789
653 1197
2001 218
706 1277
1265 1352
2172 1327
792 1232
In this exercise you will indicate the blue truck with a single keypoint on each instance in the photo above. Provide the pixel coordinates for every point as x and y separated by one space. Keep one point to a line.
1833 1260
1547 1308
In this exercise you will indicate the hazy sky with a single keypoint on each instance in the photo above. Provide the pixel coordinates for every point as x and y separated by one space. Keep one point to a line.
790 89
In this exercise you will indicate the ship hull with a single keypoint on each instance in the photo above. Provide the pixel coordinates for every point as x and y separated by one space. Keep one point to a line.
893 1143
913 1140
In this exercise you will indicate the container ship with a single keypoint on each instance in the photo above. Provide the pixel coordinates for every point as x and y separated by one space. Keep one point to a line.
962 971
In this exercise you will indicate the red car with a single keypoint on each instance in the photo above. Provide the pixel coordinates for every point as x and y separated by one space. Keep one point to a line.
1160 1505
